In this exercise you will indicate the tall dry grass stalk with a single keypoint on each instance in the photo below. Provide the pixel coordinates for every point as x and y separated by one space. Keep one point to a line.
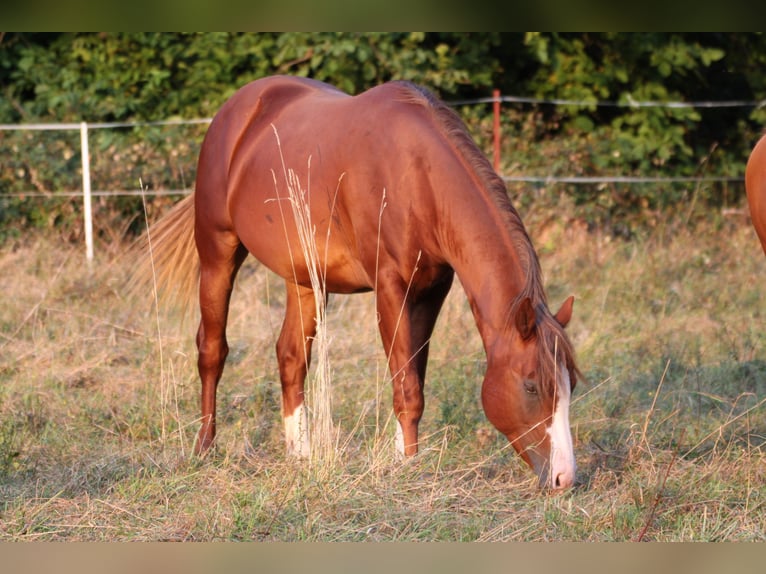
318 390
169 401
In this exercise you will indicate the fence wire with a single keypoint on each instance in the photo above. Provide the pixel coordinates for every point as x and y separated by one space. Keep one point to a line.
543 180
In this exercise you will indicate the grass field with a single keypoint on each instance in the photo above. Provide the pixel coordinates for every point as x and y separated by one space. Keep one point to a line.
99 400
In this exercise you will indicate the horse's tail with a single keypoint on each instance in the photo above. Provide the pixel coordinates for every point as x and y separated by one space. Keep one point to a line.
166 261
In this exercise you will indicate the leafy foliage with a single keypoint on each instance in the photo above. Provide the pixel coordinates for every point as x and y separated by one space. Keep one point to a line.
146 77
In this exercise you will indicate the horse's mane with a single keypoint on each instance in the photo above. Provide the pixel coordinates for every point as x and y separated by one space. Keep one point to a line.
553 342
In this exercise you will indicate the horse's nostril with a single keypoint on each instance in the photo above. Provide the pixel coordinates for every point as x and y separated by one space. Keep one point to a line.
563 480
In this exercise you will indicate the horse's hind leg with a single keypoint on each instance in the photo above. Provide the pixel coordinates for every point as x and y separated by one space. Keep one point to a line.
220 259
294 356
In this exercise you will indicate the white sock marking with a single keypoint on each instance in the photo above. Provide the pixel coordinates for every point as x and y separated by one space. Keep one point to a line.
297 433
399 440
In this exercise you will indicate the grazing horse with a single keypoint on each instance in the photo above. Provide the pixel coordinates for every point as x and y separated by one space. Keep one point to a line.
755 186
401 199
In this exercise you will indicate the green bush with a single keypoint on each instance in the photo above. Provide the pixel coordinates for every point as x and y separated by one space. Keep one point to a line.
147 77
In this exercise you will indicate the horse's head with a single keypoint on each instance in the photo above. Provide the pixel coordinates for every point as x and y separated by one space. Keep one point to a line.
526 394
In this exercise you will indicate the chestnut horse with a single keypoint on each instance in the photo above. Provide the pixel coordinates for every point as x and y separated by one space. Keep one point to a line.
755 186
402 199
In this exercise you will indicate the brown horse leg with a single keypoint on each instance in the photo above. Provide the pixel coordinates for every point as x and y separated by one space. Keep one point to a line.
294 356
424 314
405 328
219 263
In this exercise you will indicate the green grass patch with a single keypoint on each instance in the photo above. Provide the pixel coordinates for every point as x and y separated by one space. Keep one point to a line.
669 425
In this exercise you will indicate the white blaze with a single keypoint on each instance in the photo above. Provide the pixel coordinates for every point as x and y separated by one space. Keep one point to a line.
562 462
297 433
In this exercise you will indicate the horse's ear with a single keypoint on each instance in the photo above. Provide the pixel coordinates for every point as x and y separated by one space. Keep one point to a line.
565 313
526 319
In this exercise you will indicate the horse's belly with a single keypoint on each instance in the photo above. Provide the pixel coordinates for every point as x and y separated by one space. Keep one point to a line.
336 267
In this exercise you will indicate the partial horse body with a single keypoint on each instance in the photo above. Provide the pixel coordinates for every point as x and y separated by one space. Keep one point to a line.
755 186
402 199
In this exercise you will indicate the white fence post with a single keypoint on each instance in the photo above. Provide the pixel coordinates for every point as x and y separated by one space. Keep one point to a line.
87 213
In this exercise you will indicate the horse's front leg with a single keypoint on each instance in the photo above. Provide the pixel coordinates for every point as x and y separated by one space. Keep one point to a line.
294 356
405 332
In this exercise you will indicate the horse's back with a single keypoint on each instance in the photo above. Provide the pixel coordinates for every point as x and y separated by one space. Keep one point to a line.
302 113
755 186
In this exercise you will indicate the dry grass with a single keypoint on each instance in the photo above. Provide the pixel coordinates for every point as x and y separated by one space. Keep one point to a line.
669 430
318 385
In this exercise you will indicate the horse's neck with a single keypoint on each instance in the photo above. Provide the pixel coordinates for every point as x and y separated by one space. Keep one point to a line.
490 267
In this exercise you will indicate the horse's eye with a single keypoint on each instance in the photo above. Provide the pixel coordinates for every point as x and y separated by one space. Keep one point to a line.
530 387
